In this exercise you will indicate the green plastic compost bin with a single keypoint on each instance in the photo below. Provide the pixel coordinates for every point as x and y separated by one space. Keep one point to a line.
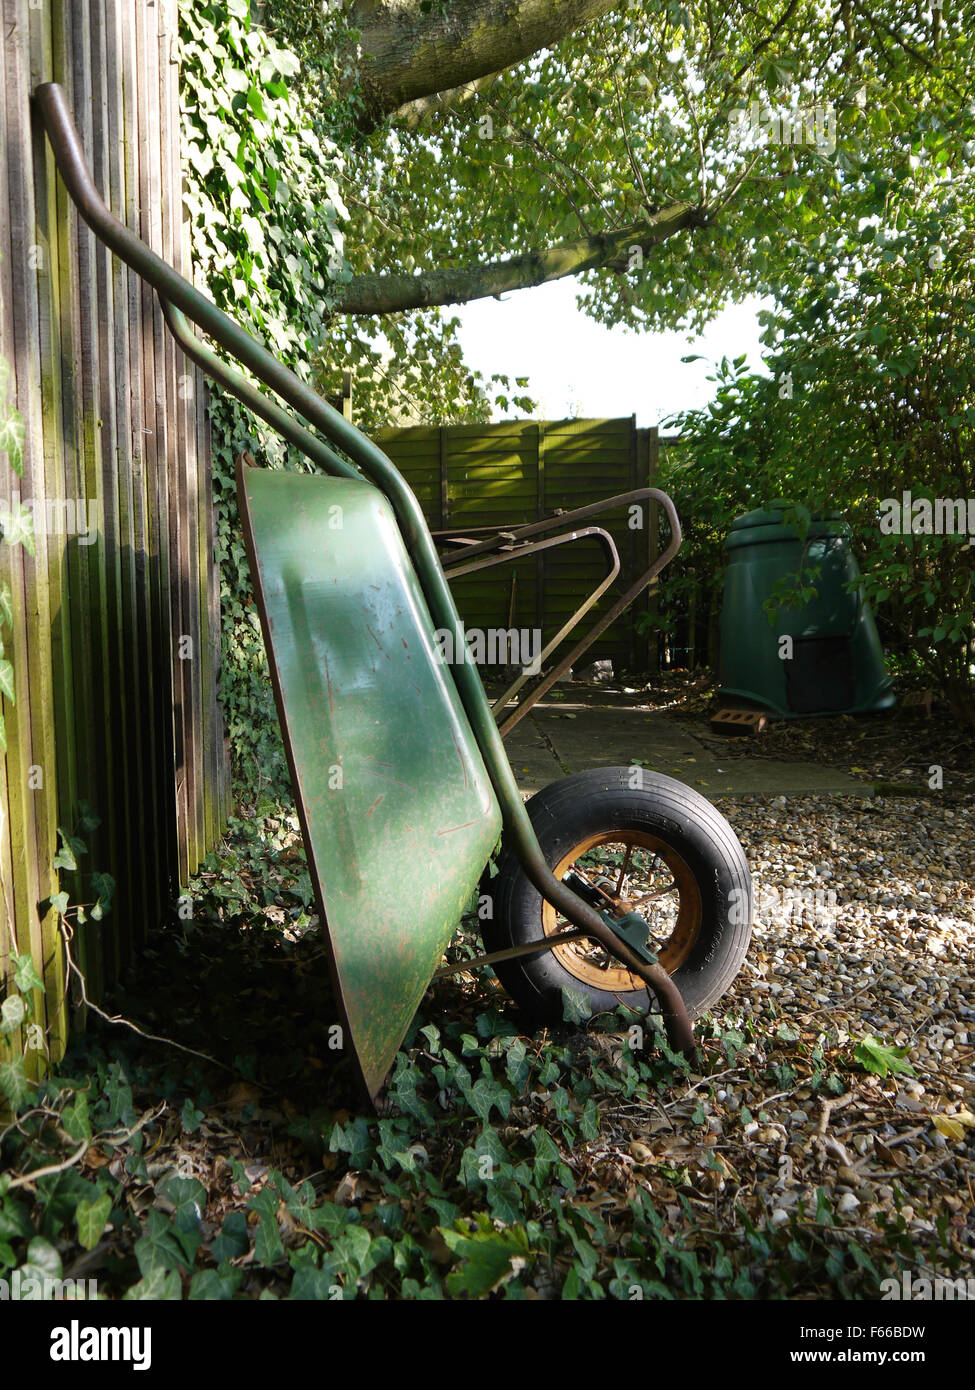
835 663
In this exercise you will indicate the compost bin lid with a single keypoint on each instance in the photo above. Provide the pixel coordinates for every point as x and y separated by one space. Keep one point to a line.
764 525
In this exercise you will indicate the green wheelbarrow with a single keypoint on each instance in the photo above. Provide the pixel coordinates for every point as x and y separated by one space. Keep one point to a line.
620 884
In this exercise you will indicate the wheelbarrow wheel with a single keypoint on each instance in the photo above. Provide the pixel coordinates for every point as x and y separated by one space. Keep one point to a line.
637 841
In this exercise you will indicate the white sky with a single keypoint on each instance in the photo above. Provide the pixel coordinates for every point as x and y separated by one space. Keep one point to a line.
576 366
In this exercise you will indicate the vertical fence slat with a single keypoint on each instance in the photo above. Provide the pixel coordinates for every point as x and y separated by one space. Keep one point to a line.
105 711
30 815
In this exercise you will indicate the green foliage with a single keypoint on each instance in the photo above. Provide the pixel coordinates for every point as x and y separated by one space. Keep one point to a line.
264 193
91 1218
260 873
639 112
503 1166
488 1258
13 431
264 210
575 1005
882 1059
13 530
871 393
71 848
261 194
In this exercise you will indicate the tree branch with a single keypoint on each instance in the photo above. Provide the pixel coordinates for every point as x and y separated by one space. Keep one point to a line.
409 55
390 294
415 112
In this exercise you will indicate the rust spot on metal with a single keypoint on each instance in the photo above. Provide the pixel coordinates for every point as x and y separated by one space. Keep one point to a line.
375 804
462 763
465 826
377 642
328 682
391 779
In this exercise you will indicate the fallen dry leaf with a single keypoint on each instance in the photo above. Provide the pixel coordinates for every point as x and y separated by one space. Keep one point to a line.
346 1190
949 1125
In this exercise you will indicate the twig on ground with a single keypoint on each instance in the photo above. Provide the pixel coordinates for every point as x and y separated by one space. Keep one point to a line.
66 936
51 1168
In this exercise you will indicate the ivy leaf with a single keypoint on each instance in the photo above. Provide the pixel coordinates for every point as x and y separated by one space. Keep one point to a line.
43 1259
575 1005
485 1095
589 1121
190 1117
104 886
13 1082
489 1257
189 1197
218 1285
87 819
13 433
13 1011
91 1218
26 977
65 858
159 1285
75 1118
159 1250
233 1239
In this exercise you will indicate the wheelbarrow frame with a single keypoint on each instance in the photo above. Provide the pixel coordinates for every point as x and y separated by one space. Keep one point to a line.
520 542
363 460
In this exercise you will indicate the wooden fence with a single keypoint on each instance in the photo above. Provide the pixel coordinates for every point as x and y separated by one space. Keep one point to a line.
114 632
520 471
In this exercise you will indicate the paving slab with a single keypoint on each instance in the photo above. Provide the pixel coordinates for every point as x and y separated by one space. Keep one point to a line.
593 728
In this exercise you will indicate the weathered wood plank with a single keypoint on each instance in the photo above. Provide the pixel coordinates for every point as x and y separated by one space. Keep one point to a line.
152 806
30 761
100 688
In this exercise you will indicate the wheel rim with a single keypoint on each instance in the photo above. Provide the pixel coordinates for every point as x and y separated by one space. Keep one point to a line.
637 872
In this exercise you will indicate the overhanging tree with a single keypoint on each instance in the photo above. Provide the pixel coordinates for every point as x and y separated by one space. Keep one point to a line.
491 147
377 162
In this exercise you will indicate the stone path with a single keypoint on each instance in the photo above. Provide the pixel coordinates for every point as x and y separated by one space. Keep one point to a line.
594 727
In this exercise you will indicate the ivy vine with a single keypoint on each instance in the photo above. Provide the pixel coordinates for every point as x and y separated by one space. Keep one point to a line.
263 201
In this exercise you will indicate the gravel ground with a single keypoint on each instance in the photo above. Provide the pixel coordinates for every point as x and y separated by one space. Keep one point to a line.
865 919
812 1176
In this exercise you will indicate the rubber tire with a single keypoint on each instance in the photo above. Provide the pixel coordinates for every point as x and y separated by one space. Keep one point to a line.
564 814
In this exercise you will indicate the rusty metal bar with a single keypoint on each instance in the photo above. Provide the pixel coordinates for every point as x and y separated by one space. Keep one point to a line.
237 384
581 513
533 948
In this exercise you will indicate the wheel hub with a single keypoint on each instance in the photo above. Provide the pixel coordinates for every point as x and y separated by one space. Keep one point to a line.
628 877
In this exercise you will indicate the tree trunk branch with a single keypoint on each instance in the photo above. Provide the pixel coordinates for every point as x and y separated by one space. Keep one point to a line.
390 294
408 54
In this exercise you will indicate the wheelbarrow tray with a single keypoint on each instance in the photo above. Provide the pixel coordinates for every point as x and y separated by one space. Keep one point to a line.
396 807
